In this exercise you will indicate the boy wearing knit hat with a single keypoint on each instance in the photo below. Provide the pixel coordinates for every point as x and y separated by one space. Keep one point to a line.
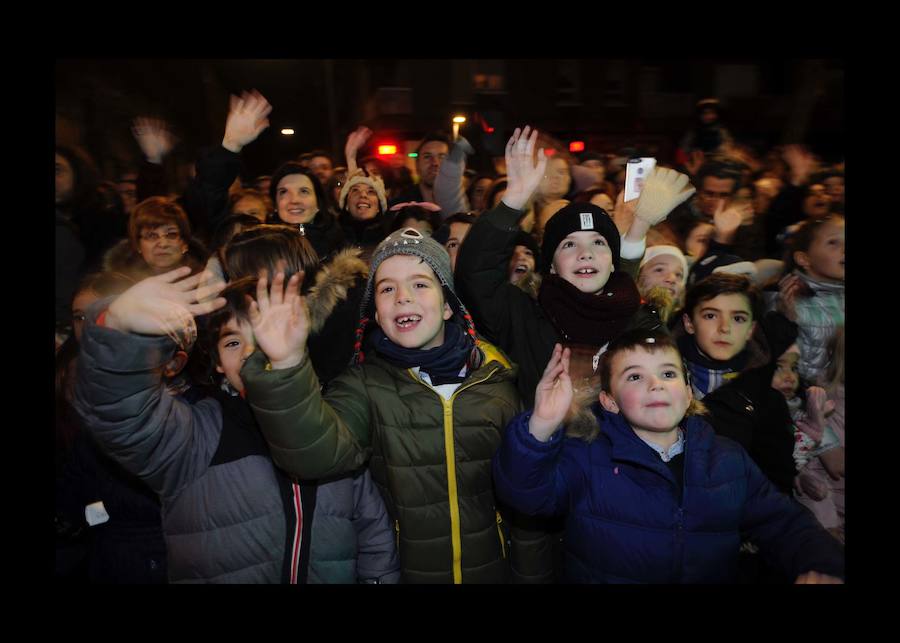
424 405
585 300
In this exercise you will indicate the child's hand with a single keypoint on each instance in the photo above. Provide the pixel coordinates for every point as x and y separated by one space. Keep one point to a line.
163 305
553 396
664 190
247 118
281 321
809 485
817 407
154 138
789 288
523 175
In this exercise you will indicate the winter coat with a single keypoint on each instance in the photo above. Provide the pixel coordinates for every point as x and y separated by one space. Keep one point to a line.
128 548
429 456
819 313
752 413
503 313
365 235
228 515
625 523
69 263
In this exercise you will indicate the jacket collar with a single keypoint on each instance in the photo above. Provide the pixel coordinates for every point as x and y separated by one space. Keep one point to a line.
819 286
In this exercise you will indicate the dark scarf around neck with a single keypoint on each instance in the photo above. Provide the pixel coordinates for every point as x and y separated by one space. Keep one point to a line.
586 318
443 363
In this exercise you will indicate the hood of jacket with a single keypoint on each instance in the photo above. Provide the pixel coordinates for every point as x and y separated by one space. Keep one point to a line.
333 280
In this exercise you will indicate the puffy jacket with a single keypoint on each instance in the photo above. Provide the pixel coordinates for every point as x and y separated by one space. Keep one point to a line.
819 314
430 457
228 515
624 520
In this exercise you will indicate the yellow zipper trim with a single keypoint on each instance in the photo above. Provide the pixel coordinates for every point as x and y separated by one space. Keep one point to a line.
500 533
450 452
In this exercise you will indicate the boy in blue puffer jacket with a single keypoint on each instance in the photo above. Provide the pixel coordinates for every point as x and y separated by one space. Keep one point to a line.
651 494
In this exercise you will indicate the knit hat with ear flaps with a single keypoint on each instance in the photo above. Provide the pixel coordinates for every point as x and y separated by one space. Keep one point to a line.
578 217
372 181
410 241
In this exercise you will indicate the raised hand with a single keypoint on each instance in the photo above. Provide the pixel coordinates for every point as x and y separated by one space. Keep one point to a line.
817 407
727 220
523 175
280 320
623 214
165 304
153 137
800 161
664 190
355 140
789 287
552 397
695 162
247 118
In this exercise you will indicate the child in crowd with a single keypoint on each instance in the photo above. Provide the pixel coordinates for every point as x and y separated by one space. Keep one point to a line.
425 406
719 318
812 293
820 483
663 266
229 516
452 233
585 300
651 494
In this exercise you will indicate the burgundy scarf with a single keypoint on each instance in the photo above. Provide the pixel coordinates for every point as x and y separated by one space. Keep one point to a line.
587 318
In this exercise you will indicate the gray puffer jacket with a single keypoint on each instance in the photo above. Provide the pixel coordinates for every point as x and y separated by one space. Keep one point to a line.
229 516
819 313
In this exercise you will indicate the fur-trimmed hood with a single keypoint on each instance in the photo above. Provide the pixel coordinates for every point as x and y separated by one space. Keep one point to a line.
333 280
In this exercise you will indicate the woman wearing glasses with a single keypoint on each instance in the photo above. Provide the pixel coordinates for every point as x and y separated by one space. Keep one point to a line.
159 240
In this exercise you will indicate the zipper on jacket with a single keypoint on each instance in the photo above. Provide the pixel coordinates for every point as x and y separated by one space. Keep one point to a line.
450 454
397 533
500 533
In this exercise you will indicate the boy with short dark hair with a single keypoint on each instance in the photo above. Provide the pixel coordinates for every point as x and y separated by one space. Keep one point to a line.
651 494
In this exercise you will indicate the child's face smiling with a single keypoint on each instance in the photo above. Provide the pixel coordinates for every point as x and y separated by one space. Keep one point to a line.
235 345
649 389
584 259
409 303
721 326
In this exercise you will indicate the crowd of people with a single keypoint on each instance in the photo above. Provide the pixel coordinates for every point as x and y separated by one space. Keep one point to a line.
360 374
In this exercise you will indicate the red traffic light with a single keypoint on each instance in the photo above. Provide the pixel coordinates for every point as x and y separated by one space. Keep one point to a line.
576 146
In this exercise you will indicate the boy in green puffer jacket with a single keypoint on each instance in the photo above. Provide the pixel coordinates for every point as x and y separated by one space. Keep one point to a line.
425 405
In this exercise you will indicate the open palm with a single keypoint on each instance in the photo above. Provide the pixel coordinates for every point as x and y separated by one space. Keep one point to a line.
280 320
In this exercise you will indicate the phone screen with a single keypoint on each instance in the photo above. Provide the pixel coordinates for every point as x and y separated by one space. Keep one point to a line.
636 172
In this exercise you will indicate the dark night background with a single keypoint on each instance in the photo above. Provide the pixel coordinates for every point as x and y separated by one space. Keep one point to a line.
607 103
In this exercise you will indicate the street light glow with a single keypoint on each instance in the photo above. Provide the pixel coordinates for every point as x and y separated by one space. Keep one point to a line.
459 119
287 131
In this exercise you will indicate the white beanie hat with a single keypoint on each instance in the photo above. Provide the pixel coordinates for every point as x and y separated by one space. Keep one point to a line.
655 251
359 177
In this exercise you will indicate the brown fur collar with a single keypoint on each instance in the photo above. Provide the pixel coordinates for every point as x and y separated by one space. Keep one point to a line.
333 280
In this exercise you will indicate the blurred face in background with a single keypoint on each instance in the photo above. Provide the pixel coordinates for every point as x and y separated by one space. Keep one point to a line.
834 187
714 192
65 179
598 168
429 161
697 240
127 189
479 192
321 167
817 203
251 206
556 181
603 201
